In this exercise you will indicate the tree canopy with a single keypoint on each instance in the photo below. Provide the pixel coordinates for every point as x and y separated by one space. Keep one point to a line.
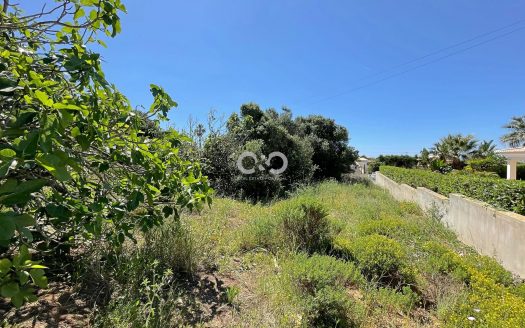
516 135
76 161
315 148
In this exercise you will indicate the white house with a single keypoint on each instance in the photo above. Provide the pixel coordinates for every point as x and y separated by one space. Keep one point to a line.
513 156
362 165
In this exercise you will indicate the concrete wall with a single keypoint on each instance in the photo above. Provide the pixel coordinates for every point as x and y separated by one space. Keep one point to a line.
491 232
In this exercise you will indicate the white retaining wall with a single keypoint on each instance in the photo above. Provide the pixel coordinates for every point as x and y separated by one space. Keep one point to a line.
499 234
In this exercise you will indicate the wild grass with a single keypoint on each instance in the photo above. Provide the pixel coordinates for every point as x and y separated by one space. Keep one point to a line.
331 255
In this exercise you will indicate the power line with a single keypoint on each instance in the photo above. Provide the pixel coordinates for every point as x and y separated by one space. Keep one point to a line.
429 62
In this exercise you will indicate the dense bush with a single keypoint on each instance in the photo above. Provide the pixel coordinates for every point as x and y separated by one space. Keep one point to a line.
447 261
260 132
318 285
388 227
504 194
76 161
380 259
306 224
398 160
315 147
494 164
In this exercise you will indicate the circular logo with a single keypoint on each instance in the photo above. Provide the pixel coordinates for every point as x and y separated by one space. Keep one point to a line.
272 171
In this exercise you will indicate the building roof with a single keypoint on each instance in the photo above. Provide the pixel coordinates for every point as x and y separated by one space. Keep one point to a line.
513 153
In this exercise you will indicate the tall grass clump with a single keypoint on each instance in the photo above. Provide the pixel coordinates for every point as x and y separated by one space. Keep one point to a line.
299 224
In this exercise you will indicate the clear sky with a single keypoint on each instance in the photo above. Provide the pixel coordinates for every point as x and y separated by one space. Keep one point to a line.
308 55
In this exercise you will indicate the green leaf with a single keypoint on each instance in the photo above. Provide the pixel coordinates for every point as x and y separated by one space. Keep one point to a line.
14 193
39 278
38 266
79 13
17 300
10 289
7 226
66 106
23 255
23 277
75 132
7 153
5 265
54 165
43 98
4 168
26 233
24 220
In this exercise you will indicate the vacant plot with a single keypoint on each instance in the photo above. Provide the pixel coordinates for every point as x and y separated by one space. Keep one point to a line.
331 255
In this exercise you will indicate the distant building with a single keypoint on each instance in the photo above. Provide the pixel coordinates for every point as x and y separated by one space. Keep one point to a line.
361 165
513 156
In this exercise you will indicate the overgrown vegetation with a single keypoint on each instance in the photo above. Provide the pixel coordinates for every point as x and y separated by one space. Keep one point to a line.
504 194
380 263
315 148
75 166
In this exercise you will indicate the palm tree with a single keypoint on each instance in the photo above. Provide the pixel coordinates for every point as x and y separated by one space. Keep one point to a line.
455 149
516 137
486 149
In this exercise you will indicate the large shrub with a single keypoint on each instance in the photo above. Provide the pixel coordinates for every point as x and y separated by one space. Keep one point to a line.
76 161
382 259
495 164
306 225
504 194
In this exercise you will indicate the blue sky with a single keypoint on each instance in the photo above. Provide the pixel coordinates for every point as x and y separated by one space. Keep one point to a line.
300 53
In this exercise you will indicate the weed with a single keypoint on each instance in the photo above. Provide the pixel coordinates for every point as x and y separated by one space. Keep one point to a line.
231 294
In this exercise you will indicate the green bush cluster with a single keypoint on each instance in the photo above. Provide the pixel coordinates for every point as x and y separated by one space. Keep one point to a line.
405 161
504 194
488 304
445 260
306 224
493 299
318 285
299 224
380 259
496 165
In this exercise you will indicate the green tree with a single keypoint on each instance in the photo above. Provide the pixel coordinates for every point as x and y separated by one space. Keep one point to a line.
424 157
456 149
261 132
331 153
485 149
516 136
76 161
